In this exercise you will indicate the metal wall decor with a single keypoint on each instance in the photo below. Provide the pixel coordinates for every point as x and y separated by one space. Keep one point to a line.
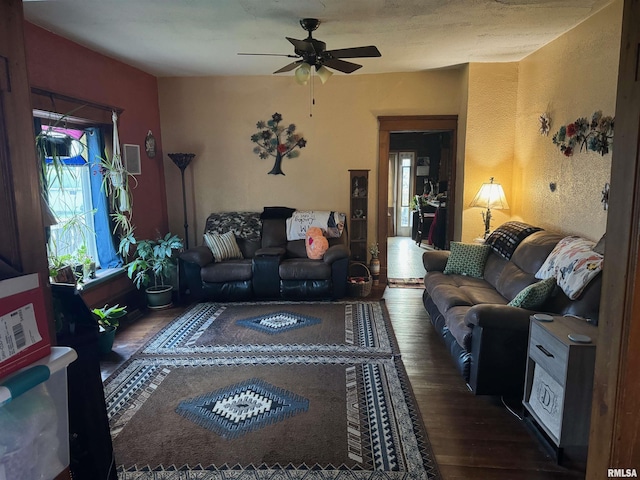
150 145
545 124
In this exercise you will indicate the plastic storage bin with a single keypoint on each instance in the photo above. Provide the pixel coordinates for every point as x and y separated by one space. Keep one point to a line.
34 425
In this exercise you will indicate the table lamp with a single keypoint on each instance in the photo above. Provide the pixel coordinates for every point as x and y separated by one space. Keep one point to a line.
491 195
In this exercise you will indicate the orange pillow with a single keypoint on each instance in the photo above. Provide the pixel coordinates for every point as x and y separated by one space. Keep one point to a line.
316 243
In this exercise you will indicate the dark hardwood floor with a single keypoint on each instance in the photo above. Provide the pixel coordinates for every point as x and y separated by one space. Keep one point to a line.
473 437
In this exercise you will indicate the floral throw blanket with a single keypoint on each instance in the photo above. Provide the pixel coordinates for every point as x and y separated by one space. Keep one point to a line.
331 223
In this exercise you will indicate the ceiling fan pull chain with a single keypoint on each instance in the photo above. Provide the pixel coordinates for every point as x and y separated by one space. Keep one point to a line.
312 100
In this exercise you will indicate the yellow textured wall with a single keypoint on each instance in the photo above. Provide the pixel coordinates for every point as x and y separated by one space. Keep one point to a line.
214 117
489 139
570 77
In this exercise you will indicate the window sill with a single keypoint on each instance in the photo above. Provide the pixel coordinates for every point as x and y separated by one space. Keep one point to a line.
102 276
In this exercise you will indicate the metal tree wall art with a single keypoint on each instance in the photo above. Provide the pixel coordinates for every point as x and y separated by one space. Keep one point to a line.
274 140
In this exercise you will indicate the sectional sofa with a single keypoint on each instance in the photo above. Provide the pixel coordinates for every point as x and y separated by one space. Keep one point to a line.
485 333
268 265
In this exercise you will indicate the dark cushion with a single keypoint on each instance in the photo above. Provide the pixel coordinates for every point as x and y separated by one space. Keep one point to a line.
304 269
449 296
274 233
512 280
248 247
200 255
276 212
534 250
483 294
227 271
296 249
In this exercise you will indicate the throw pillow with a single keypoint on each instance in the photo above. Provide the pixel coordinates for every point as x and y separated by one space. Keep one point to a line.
573 263
467 259
316 243
535 294
223 246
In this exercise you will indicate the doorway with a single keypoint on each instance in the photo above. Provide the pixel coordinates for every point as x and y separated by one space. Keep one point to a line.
444 128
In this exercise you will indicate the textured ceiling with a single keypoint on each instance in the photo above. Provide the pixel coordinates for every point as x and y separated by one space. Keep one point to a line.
203 37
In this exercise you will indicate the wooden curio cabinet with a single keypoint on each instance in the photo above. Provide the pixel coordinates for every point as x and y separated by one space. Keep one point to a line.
358 214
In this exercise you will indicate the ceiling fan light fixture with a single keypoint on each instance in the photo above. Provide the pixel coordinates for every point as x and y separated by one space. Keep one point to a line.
324 73
302 73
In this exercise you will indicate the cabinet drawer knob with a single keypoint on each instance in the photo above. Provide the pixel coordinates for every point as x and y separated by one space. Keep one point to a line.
545 351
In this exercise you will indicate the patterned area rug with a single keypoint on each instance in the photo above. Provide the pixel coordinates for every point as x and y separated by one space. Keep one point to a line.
268 327
405 282
322 409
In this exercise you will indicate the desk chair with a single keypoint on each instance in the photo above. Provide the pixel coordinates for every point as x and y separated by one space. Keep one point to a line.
425 220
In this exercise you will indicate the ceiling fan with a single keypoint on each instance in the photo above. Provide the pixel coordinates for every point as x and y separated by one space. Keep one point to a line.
311 52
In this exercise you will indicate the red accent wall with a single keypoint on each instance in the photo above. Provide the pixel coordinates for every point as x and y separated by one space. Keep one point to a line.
59 65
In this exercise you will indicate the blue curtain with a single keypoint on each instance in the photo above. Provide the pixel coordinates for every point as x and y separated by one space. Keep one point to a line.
107 253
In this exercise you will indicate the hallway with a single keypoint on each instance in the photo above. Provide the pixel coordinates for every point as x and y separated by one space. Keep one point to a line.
405 258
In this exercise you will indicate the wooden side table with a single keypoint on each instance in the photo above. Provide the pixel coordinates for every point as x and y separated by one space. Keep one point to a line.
559 381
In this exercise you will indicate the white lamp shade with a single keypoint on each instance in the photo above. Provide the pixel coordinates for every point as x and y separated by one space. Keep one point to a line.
324 74
302 73
491 195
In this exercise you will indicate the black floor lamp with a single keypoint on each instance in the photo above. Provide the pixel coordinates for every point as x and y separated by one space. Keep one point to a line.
182 161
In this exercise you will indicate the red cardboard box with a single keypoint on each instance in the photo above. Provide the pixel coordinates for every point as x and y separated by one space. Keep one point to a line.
24 334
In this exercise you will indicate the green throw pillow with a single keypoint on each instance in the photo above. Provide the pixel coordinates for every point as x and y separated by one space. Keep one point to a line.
467 259
535 294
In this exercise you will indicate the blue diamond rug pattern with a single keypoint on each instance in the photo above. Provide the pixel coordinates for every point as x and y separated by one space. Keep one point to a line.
278 322
242 408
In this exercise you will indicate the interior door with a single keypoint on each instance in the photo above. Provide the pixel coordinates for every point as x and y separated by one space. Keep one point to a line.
404 186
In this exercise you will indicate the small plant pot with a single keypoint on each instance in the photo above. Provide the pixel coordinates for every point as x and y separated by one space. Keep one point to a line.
105 339
65 275
159 297
374 266
117 179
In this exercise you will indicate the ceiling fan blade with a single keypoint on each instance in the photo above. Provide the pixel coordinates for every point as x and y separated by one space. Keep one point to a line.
301 45
355 52
271 54
341 65
289 67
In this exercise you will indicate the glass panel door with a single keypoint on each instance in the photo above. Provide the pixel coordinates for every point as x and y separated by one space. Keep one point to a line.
406 162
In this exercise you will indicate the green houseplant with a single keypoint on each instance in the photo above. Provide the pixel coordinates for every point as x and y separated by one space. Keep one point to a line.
109 320
152 267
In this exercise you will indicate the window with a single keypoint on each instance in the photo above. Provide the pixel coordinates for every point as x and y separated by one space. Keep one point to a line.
69 194
72 180
405 190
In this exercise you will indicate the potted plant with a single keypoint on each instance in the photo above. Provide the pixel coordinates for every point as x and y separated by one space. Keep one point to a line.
374 265
85 264
60 270
108 320
152 267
